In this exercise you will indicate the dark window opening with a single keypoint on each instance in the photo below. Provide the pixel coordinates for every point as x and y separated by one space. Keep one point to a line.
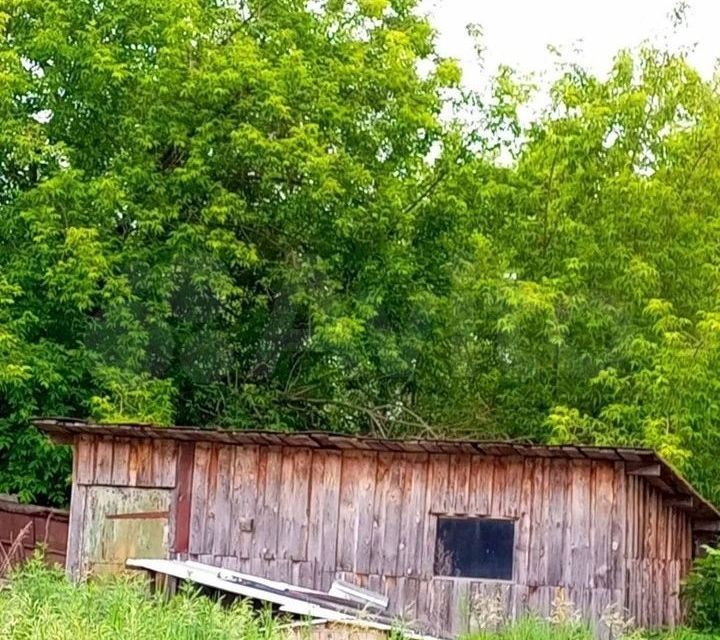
475 548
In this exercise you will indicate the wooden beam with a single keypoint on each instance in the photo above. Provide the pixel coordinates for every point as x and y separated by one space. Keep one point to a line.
711 526
183 496
645 470
681 503
139 515
659 483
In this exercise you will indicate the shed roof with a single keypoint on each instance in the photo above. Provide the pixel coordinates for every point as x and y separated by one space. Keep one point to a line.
645 462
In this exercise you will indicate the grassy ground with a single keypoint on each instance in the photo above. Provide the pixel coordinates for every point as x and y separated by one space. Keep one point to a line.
41 604
540 630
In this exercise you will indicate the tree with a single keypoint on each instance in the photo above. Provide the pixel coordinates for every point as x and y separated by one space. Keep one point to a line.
253 215
207 215
589 310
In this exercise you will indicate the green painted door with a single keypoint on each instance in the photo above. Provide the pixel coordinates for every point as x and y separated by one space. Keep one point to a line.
122 523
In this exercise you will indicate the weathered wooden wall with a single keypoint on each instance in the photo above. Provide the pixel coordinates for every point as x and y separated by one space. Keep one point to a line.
308 516
659 555
46 527
372 517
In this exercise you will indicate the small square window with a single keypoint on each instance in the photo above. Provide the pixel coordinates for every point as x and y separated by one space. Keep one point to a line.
475 548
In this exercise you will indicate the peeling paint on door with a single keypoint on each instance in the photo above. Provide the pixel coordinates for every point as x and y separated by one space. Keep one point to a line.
122 523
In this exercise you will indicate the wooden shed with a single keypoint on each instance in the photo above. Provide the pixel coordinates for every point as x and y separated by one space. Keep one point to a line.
441 527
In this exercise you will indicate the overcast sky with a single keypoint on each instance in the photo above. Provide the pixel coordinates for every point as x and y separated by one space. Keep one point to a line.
517 32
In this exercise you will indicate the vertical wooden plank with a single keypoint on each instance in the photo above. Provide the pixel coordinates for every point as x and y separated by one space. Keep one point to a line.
413 516
651 525
164 454
246 467
382 489
582 507
671 541
520 596
481 479
300 505
423 602
459 483
513 487
76 523
208 533
317 493
459 614
294 496
499 487
224 525
267 536
648 593
440 500
618 532
331 510
365 497
522 535
303 573
145 468
347 517
440 605
408 600
640 488
85 455
287 465
260 549
393 514
631 521
199 493
556 519
103 461
601 523
661 538
183 497
121 463
537 565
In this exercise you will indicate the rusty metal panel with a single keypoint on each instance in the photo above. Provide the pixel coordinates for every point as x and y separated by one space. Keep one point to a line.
26 526
122 523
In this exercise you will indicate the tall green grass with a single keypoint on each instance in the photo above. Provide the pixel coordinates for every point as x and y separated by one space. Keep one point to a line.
41 604
535 629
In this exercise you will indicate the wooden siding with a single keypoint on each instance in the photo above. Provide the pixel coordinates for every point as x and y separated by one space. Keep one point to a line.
659 555
310 515
371 517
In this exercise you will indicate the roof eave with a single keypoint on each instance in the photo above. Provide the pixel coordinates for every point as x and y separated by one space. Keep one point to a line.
667 479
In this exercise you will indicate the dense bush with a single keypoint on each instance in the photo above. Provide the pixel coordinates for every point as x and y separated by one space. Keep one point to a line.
702 591
43 605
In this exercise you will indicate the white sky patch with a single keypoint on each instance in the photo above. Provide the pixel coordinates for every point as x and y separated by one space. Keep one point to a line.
591 32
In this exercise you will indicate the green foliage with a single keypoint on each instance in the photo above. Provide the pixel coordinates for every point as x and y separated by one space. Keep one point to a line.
208 215
252 215
42 604
702 591
588 308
